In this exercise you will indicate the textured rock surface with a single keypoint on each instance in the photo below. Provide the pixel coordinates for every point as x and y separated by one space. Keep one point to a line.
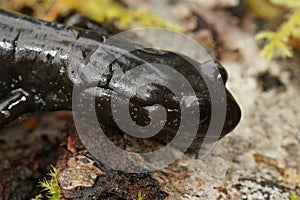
259 160
269 126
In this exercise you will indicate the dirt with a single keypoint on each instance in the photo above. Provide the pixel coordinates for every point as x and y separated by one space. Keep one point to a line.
27 155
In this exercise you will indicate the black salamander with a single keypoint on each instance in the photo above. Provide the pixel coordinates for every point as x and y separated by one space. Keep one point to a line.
41 62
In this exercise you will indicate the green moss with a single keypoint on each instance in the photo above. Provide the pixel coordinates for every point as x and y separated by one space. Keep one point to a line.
294 197
110 10
263 9
37 197
277 40
50 186
139 196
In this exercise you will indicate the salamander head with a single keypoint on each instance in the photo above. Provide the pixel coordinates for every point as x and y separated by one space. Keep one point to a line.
153 84
145 81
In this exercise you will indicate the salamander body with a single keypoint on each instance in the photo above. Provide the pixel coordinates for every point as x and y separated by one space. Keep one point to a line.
41 63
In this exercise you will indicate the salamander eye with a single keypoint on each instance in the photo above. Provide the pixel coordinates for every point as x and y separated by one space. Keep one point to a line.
204 107
204 114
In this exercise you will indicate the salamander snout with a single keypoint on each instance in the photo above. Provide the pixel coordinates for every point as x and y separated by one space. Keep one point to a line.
233 114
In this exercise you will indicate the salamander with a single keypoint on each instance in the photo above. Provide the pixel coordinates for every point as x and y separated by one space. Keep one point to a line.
41 63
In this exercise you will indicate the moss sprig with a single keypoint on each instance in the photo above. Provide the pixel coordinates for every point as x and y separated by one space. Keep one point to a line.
277 40
51 186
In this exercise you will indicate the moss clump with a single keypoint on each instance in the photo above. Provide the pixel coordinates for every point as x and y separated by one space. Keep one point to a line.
139 196
110 10
50 186
99 10
278 40
294 197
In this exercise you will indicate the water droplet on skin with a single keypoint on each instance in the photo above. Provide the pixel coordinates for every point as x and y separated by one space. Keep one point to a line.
162 122
62 71
6 113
